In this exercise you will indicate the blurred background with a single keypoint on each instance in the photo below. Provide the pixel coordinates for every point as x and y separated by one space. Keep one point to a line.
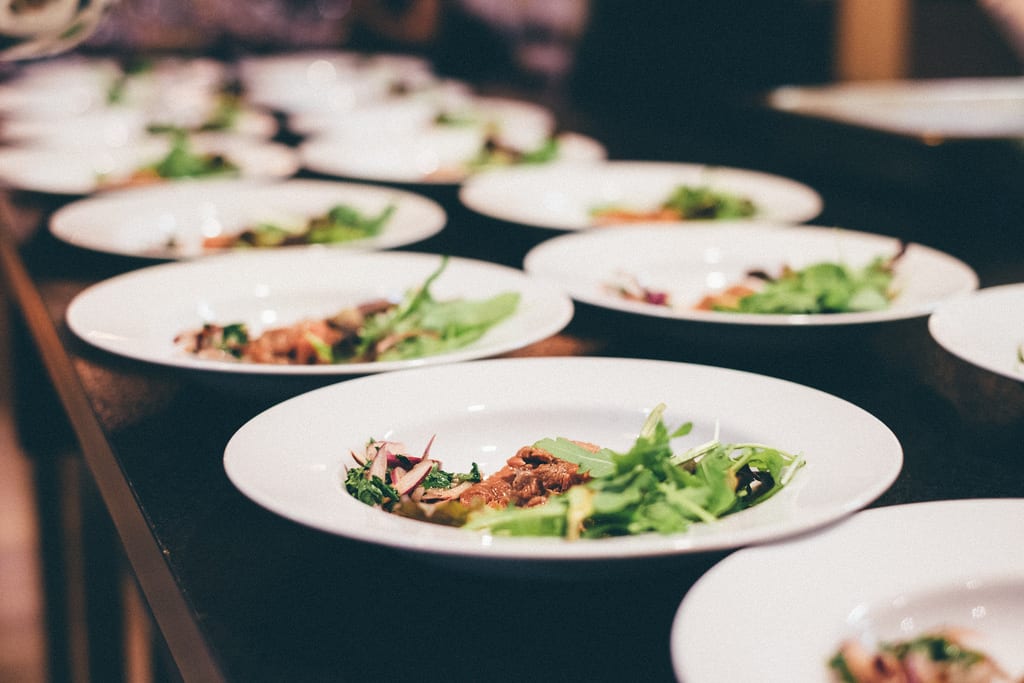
675 80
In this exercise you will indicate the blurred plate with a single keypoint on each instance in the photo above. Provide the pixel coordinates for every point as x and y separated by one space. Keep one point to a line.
440 155
170 221
139 314
778 613
117 126
563 197
926 108
78 170
984 328
689 264
291 458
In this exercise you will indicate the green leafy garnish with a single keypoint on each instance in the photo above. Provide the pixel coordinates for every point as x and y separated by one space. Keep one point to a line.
422 326
493 154
822 288
370 490
702 202
648 488
340 223
182 162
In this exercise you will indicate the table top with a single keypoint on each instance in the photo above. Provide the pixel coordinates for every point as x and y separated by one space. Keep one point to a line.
241 594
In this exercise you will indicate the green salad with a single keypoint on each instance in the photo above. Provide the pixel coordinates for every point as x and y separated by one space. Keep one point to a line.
340 223
576 490
418 325
686 202
820 288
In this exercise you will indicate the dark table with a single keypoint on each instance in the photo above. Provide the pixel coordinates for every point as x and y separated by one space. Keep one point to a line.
239 594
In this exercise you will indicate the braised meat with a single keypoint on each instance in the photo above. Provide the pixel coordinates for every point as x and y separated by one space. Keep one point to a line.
527 479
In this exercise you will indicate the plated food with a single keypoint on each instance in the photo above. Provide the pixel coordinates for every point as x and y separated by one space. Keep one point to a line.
984 329
691 275
203 217
490 409
140 314
823 592
579 197
575 489
440 155
413 326
941 656
86 169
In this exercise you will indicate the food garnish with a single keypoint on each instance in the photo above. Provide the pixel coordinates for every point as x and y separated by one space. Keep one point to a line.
938 657
180 162
572 489
820 288
340 223
415 326
686 202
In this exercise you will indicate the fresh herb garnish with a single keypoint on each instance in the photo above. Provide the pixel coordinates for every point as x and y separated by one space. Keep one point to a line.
822 288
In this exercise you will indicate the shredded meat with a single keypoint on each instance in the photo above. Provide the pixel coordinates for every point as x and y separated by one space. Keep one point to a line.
527 479
618 216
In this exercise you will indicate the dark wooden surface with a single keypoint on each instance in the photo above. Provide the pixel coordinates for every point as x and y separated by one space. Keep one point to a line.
240 594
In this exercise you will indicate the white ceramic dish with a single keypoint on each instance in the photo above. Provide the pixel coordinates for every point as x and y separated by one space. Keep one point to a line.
435 156
327 81
291 458
562 198
777 613
926 108
119 126
79 170
692 262
139 314
985 328
170 221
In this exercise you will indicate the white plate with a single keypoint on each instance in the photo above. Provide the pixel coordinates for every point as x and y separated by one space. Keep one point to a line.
985 328
929 108
76 170
691 263
119 126
140 222
562 198
777 613
291 458
138 314
413 157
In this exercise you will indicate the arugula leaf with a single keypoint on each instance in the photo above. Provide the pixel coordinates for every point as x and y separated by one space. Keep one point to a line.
648 488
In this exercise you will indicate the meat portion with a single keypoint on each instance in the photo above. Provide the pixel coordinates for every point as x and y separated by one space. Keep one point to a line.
527 479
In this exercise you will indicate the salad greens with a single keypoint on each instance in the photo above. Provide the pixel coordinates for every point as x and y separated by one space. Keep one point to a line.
182 162
493 154
938 656
686 202
648 488
822 288
340 223
418 325
703 202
